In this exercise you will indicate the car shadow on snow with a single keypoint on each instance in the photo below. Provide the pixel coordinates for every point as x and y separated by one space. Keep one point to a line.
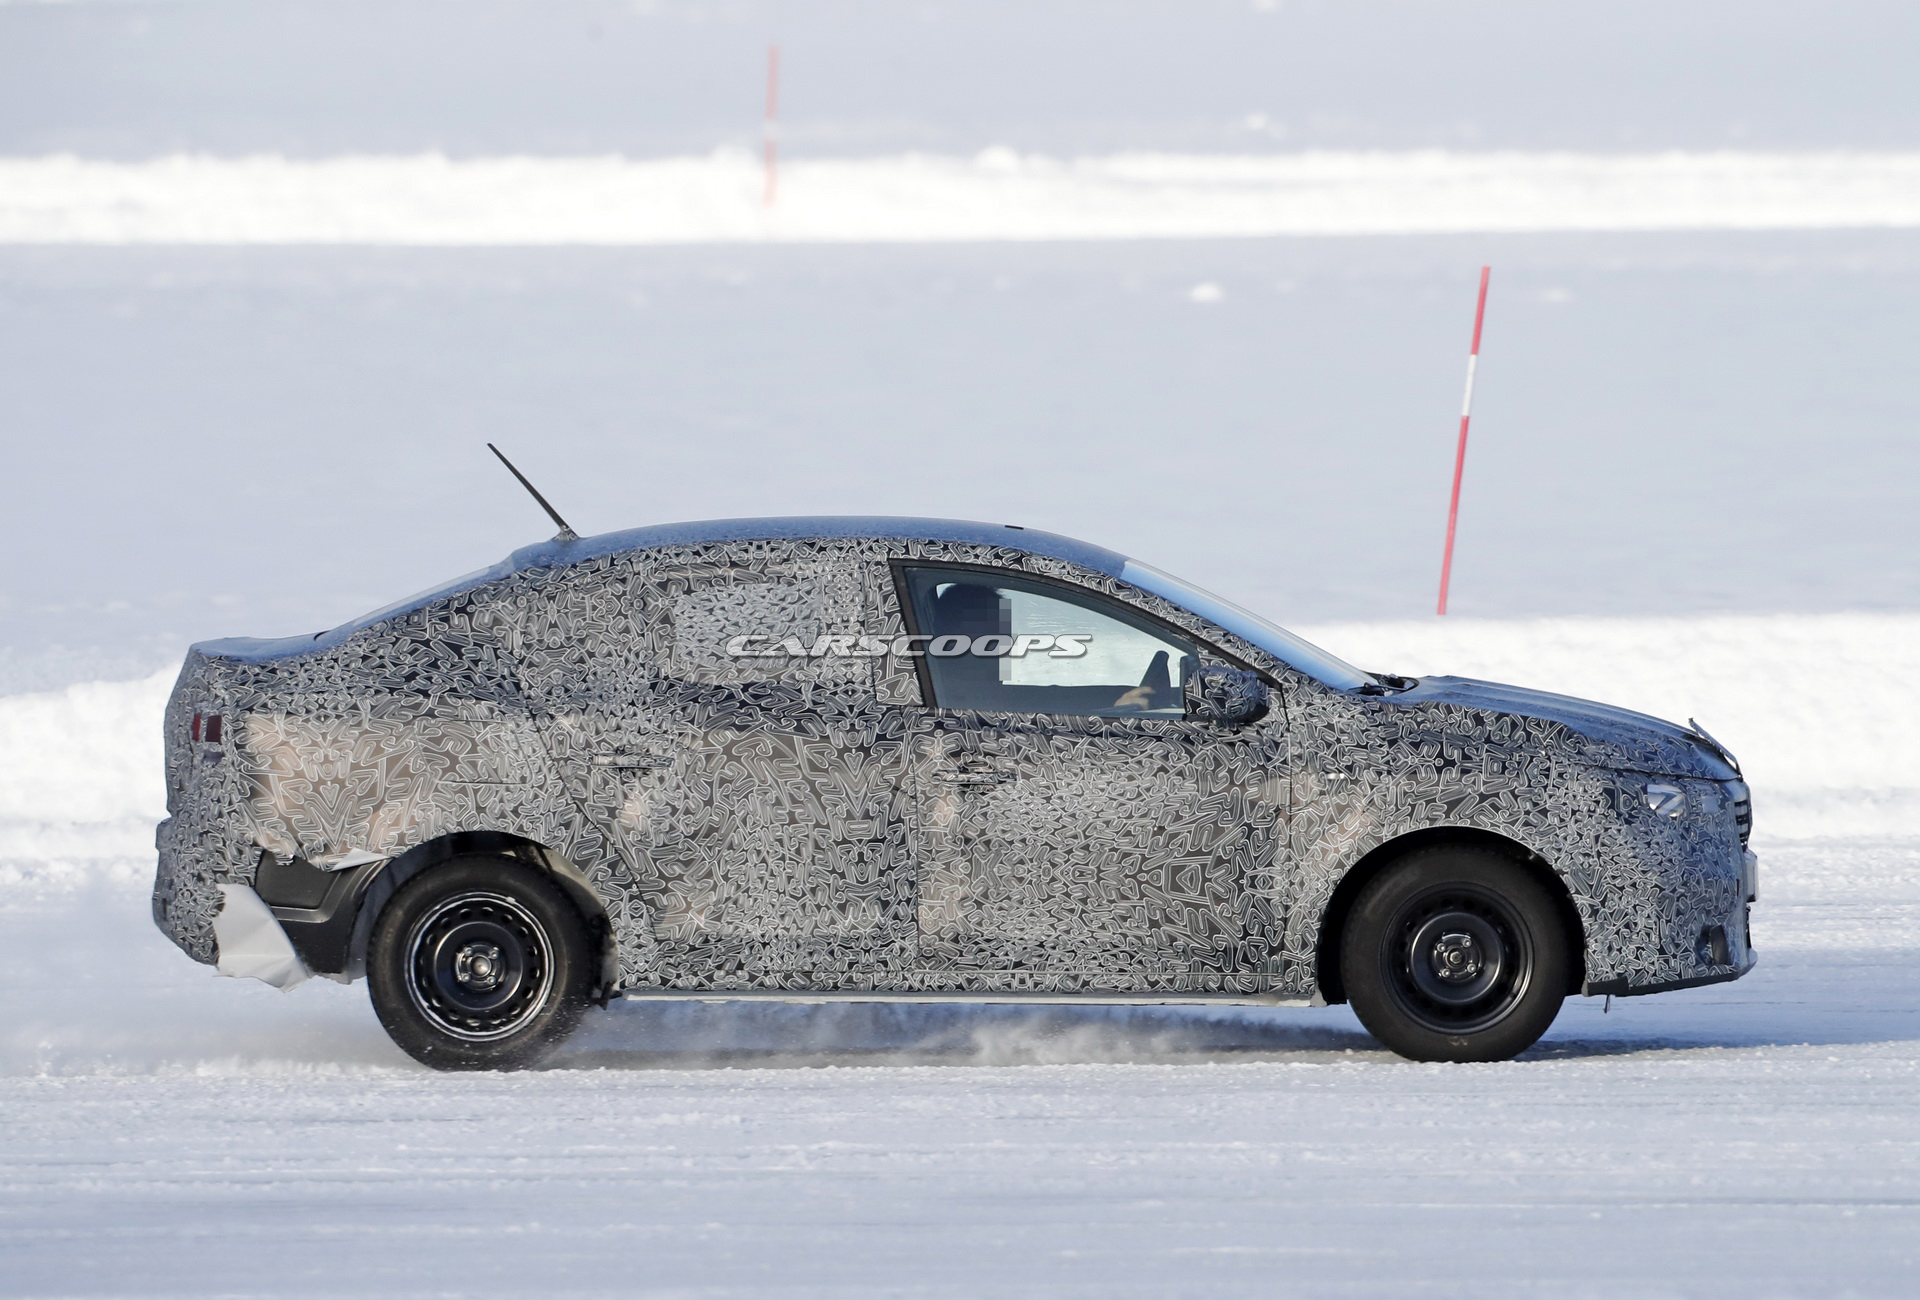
1574 1049
1805 1011
772 1035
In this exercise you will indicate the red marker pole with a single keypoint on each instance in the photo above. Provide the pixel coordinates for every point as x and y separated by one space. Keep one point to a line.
1460 456
772 124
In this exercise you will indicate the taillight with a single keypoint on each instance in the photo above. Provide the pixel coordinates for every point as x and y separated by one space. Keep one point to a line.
206 728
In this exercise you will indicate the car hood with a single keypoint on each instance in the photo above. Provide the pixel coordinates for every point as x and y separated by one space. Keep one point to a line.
1606 735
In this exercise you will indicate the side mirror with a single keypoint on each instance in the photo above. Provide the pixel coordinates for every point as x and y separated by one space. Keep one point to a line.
1227 697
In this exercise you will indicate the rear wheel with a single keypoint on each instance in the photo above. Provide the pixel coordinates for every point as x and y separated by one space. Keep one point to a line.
1456 954
481 964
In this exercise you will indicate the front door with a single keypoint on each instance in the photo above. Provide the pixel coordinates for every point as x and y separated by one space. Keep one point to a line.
1073 828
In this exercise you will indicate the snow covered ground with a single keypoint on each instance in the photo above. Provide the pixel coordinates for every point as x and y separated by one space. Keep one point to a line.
169 1132
1691 491
996 194
194 1137
218 441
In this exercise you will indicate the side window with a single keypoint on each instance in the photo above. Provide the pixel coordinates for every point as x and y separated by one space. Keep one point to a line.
998 643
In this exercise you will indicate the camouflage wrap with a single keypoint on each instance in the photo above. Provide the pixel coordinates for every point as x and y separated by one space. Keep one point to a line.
808 823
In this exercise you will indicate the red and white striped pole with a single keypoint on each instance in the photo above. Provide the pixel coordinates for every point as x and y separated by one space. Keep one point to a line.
771 127
1460 456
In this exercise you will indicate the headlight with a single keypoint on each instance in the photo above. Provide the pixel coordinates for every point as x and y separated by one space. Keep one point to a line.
1667 800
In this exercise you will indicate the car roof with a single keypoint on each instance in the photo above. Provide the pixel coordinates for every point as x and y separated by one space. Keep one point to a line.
556 554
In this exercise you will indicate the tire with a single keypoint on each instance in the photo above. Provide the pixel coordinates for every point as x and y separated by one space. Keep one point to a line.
1456 954
480 964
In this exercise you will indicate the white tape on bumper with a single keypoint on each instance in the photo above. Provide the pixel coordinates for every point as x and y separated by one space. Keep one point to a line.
252 944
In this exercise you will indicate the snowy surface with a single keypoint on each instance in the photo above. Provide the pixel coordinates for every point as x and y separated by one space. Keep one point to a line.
262 442
997 194
1691 491
170 1132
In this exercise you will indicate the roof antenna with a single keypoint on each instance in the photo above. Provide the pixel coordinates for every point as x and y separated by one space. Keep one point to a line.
566 534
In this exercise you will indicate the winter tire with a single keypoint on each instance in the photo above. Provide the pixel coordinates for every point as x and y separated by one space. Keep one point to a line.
1456 954
481 964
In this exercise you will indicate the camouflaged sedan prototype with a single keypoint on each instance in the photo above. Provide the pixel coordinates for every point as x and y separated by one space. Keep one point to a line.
875 758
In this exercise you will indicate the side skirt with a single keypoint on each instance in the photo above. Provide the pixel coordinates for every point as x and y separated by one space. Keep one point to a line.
1004 999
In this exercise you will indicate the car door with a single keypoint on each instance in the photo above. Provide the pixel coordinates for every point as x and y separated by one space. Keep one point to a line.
750 789
1071 825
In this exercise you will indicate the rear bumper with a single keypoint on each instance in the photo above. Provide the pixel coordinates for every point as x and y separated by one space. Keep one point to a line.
186 889
252 943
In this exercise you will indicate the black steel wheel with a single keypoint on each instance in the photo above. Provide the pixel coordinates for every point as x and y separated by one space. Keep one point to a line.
1454 954
480 964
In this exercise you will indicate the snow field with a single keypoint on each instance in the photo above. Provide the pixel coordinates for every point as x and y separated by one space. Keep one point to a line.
996 194
1654 1173
1668 423
81 786
171 1133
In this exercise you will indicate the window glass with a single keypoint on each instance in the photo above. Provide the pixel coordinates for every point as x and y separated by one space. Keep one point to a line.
1248 626
1009 645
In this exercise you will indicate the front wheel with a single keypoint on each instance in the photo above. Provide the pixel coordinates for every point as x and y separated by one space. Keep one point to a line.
481 964
1456 955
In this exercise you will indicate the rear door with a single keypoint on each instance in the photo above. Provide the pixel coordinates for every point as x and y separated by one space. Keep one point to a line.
749 789
1072 828
769 842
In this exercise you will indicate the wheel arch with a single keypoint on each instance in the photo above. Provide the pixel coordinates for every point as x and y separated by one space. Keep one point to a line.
1333 919
456 845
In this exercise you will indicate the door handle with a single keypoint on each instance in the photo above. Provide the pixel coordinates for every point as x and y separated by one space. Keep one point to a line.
974 775
635 762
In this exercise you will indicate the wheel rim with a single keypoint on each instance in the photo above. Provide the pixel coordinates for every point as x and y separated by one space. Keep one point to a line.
1458 959
479 966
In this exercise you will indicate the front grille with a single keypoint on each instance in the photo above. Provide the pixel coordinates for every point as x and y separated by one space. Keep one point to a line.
1742 811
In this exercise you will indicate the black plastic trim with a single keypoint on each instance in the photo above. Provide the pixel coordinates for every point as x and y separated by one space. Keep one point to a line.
1619 988
323 935
291 882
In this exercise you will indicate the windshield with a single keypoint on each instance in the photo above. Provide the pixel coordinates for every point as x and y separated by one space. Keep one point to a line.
1248 626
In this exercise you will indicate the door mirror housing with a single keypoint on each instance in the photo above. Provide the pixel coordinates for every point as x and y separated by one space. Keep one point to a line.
1227 697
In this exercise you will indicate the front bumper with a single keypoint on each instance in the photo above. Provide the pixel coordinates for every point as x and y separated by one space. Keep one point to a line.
1722 950
1620 988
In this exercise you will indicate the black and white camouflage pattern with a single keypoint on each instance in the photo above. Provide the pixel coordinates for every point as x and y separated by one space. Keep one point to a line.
807 823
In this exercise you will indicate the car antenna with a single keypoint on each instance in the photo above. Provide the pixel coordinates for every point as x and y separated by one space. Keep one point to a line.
566 533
